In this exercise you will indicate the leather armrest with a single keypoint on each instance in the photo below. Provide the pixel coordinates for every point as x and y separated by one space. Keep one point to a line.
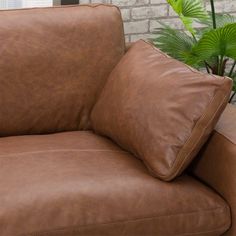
216 164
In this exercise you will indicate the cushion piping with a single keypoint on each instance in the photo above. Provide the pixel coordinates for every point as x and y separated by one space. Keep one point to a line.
179 162
42 233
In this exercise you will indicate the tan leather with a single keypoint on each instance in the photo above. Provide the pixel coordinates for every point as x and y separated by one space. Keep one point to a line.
78 183
216 164
54 63
159 109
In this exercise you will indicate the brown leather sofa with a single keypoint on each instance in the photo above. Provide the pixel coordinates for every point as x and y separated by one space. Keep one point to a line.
59 178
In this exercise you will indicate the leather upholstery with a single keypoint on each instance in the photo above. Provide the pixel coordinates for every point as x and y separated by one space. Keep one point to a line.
216 164
55 61
159 109
78 183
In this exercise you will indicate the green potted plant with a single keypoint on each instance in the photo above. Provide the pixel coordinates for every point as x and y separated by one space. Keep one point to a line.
212 46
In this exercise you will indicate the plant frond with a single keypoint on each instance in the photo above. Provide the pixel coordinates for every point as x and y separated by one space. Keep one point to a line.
216 42
222 19
175 43
194 9
189 11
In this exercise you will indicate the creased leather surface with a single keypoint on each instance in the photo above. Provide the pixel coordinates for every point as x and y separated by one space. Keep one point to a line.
78 183
216 164
159 109
54 63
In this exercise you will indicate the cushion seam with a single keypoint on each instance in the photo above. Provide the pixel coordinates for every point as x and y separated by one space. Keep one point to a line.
202 117
189 67
179 161
206 126
173 164
63 150
225 208
185 234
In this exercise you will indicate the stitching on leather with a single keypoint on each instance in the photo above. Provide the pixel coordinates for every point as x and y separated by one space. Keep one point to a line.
197 142
204 115
226 208
179 162
203 232
187 66
185 234
63 150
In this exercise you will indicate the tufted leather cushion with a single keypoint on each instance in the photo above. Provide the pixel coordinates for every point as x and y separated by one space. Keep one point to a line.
54 63
159 109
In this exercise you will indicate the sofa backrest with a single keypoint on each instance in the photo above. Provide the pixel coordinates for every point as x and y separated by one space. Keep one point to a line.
54 63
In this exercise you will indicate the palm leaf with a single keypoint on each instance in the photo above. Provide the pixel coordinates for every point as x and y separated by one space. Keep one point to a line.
194 9
217 42
189 11
222 20
175 43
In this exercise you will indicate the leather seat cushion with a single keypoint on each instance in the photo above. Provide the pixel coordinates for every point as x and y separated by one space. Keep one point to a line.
78 183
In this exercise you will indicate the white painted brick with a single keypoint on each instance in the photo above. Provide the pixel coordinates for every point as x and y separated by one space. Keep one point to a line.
125 14
129 2
127 38
84 1
223 6
100 1
158 1
173 22
172 12
149 12
136 37
136 27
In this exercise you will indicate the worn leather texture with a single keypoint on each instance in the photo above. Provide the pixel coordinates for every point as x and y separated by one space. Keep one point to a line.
216 164
159 109
55 61
78 183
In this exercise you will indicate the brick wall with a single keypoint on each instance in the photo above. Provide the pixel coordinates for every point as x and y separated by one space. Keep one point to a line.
140 16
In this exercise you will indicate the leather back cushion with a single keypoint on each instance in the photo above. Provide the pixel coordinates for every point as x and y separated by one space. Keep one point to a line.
54 63
159 109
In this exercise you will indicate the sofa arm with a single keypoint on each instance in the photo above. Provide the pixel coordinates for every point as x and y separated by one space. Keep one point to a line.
216 165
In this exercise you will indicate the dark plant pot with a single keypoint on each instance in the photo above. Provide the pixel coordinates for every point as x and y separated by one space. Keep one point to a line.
69 2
